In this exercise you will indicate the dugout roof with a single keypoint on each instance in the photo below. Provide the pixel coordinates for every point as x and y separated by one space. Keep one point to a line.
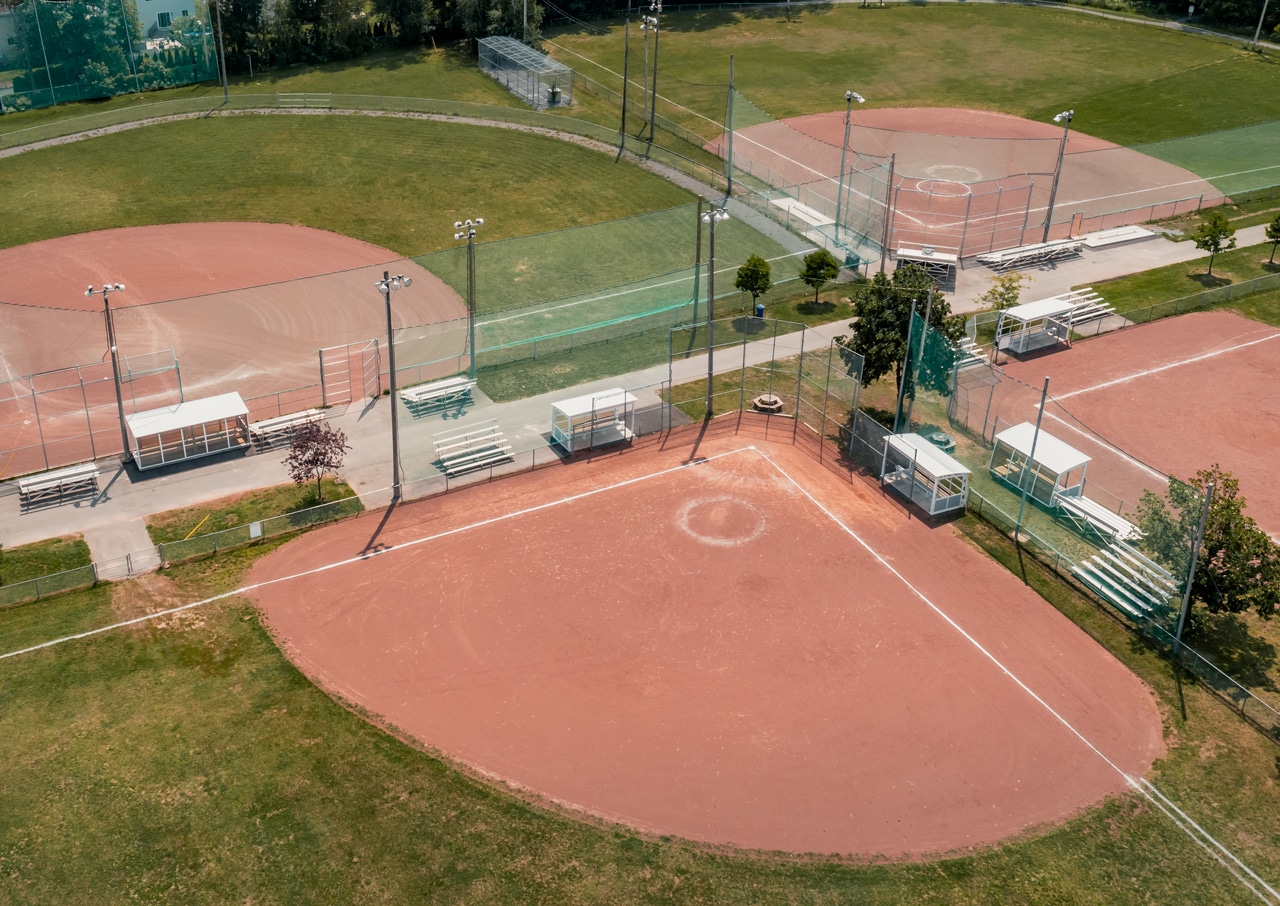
187 414
928 458
522 55
1055 455
1052 307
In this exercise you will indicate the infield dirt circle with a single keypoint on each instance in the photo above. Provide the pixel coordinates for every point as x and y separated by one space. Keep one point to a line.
707 648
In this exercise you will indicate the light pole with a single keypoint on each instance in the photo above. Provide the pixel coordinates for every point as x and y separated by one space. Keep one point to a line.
712 217
387 285
651 22
1065 119
1258 31
105 293
849 98
466 229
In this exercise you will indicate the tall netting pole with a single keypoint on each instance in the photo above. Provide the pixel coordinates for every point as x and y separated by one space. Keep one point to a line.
728 160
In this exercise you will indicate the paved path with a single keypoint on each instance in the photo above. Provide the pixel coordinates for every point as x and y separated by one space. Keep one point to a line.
127 495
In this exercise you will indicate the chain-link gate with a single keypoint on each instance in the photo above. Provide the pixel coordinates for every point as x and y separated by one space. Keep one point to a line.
350 371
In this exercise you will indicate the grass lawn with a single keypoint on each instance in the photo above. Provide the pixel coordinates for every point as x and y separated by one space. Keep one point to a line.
187 759
1127 83
323 172
1176 281
43 558
218 515
564 365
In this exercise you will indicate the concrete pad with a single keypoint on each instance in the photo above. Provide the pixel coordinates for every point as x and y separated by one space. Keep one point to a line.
122 549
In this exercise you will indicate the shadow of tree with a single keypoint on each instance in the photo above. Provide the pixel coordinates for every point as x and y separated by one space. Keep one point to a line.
1225 639
1211 282
816 308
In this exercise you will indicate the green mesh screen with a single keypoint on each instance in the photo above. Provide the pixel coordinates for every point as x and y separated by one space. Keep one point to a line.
72 50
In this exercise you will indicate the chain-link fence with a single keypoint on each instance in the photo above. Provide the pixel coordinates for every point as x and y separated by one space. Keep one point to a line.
73 50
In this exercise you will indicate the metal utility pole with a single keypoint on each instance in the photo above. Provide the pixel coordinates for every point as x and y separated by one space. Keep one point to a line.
386 286
105 292
1031 461
712 217
626 79
924 331
1191 573
906 369
1258 31
697 258
728 161
849 98
222 54
466 229
656 9
1065 119
888 212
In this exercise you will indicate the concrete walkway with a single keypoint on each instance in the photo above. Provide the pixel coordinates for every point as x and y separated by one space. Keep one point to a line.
112 521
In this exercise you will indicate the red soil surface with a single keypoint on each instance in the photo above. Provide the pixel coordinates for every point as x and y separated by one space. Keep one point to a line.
245 305
706 653
1178 394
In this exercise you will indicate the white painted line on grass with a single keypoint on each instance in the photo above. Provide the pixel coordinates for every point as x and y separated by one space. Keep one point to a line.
1199 835
371 554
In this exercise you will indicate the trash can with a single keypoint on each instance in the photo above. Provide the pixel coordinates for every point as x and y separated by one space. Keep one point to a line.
759 309
553 96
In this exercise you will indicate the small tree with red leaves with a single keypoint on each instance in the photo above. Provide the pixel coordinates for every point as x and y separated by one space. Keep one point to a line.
317 449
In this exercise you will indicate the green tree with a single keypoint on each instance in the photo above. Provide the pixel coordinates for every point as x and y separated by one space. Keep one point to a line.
1239 565
820 268
411 22
1216 234
1273 234
1004 290
754 277
882 311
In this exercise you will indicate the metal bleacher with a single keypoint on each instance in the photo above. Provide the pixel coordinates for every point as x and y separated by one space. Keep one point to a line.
1092 518
1133 583
1031 255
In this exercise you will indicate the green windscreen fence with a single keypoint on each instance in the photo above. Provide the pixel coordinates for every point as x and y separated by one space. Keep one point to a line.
71 50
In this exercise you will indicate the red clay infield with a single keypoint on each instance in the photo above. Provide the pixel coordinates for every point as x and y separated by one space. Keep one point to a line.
978 152
1180 395
705 652
241 303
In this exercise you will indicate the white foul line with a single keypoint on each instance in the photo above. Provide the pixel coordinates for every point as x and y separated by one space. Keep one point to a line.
1106 446
1166 367
369 555
1200 836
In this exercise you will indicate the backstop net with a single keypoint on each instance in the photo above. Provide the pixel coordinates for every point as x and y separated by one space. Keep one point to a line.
71 50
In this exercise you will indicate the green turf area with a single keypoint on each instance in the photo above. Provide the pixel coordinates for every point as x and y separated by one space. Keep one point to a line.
375 178
1178 281
43 558
219 515
1127 83
187 759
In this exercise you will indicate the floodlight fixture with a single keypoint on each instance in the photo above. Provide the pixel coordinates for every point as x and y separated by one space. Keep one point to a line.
105 293
711 218
386 286
467 230
1064 118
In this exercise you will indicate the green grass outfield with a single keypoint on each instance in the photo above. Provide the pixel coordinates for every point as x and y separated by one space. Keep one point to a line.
1128 83
394 182
186 760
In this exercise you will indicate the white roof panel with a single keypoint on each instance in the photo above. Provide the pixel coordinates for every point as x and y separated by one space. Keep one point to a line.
1053 454
603 399
184 415
938 463
1045 308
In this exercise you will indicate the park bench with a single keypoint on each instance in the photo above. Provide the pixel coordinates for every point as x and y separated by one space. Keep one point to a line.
1030 255
468 449
57 487
304 99
425 397
267 433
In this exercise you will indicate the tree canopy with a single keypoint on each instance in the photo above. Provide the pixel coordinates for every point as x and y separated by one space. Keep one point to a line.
316 450
1273 236
882 310
820 268
755 277
1216 234
1239 565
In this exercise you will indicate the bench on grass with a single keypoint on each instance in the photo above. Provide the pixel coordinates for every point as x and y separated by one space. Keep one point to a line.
271 431
438 394
467 449
58 486
1031 255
